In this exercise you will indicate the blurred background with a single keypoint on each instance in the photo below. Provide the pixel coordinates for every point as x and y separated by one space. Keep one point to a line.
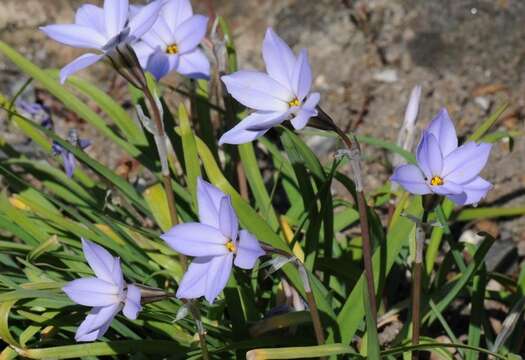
469 56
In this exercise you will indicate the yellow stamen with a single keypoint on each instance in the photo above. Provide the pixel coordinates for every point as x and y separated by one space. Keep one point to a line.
294 102
436 181
172 49
230 246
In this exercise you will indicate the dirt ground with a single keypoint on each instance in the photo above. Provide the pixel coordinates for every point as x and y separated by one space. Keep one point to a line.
469 56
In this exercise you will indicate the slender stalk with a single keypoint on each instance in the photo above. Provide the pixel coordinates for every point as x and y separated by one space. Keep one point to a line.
204 347
361 207
196 314
318 328
310 299
126 63
417 268
312 305
367 252
166 178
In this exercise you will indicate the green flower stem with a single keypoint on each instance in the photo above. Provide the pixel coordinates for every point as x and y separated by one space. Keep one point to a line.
196 314
326 122
417 268
310 299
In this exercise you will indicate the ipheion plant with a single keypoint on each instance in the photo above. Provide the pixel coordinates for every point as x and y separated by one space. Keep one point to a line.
215 242
165 36
172 44
443 167
107 293
102 29
282 93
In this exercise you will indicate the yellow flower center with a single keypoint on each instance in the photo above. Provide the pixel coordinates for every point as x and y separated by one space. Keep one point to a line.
230 246
172 49
294 102
436 181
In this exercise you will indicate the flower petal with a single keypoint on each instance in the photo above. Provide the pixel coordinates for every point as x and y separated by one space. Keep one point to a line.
175 12
143 52
306 112
194 65
99 259
253 126
160 64
79 63
96 323
162 31
78 36
466 162
262 120
115 16
474 191
145 19
218 275
279 58
91 16
193 283
132 303
190 33
429 157
92 292
228 222
448 188
116 276
248 251
154 40
411 179
240 136
258 91
69 163
196 239
302 76
209 200
443 129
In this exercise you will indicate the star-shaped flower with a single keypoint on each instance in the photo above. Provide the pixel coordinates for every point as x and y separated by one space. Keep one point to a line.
107 293
102 29
215 242
172 44
281 94
444 168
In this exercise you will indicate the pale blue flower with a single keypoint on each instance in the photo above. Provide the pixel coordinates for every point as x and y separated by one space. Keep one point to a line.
107 293
172 44
102 29
70 162
280 94
445 169
215 242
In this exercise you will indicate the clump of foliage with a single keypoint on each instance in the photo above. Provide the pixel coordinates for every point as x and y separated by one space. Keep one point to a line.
311 274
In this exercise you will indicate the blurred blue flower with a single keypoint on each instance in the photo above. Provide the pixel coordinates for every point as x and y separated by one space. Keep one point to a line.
282 93
172 44
70 162
102 29
38 112
216 243
107 293
444 168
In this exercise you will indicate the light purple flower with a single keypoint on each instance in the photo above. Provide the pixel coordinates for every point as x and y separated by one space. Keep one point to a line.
444 168
70 162
281 94
38 112
215 242
102 29
107 293
172 44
